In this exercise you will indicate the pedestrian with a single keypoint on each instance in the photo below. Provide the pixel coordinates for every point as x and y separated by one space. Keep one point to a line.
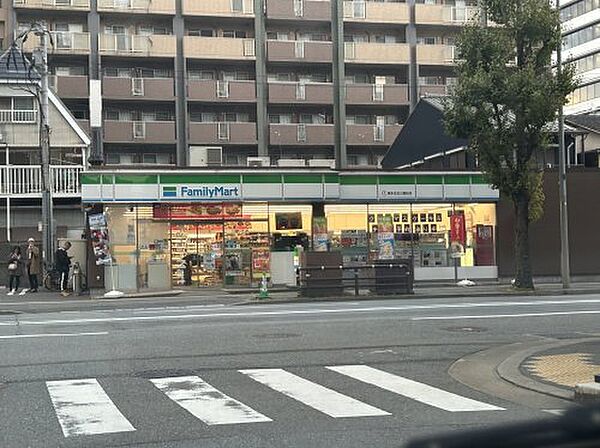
63 265
15 265
33 265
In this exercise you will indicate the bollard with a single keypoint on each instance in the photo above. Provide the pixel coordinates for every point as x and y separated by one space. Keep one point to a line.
76 279
264 288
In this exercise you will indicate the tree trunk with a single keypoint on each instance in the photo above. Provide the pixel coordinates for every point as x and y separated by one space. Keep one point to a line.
523 277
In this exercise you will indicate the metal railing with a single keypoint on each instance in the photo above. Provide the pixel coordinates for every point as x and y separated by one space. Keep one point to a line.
85 4
18 116
125 43
393 277
26 180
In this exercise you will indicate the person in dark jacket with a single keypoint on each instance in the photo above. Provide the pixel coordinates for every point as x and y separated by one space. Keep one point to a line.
15 269
63 265
34 266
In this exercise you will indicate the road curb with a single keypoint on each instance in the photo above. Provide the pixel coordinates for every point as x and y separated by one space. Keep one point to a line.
142 295
510 369
452 295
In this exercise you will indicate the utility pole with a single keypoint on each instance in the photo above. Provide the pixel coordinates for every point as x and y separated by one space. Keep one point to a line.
339 84
41 64
565 269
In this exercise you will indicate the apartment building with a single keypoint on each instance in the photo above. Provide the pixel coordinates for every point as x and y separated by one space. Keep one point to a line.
581 47
242 82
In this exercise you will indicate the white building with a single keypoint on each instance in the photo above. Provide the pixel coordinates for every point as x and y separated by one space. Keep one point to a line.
581 46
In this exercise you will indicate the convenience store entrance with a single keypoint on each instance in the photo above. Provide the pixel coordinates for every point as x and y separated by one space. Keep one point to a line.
220 250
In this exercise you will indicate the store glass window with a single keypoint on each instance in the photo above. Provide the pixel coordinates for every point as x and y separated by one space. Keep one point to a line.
347 227
122 240
154 270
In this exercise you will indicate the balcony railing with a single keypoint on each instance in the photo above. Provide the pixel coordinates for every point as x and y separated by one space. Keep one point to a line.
52 4
18 116
26 180
139 6
137 45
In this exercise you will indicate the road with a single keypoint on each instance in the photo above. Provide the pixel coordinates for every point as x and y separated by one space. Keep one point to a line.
343 374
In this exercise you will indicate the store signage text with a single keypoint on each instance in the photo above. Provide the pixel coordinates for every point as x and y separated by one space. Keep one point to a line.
203 192
396 191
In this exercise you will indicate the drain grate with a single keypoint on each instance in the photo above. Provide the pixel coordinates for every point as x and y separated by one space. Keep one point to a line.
466 329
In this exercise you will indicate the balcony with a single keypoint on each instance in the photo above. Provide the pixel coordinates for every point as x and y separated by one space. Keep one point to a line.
310 93
218 48
135 45
223 133
376 53
310 10
64 43
435 54
434 90
163 7
26 180
221 91
301 134
54 5
18 116
445 15
385 94
157 132
371 134
219 8
70 86
158 89
299 51
375 12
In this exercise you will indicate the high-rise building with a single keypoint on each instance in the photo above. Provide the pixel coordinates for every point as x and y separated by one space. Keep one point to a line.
581 47
242 82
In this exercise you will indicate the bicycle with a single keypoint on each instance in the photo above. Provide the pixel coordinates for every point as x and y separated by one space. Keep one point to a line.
51 280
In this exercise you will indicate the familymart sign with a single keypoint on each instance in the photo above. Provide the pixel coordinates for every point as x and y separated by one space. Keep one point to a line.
188 186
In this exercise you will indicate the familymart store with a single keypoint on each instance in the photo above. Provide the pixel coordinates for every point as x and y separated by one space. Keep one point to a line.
211 228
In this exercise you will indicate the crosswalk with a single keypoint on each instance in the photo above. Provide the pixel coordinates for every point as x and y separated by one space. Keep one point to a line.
83 407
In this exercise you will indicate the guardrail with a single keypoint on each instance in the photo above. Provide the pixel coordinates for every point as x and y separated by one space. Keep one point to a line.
381 277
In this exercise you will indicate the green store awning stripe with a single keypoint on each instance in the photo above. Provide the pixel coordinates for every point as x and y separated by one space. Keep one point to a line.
457 180
430 180
302 179
136 179
358 180
200 178
261 178
89 179
396 180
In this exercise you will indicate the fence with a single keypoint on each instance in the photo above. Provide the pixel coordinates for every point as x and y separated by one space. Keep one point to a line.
381 277
26 180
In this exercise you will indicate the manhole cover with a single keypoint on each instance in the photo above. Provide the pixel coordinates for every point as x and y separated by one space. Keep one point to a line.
276 335
163 373
466 329
9 312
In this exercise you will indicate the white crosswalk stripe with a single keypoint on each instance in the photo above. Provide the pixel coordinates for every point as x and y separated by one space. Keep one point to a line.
314 395
83 408
412 389
207 403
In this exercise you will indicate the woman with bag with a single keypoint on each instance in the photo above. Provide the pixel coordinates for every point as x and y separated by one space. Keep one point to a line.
15 265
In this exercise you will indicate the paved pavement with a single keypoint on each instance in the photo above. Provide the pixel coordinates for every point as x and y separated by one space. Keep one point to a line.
339 374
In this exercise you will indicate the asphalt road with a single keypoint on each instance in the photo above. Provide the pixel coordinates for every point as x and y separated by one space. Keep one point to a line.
343 374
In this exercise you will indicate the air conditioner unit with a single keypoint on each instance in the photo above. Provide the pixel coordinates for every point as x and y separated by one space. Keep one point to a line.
206 156
291 163
258 162
322 163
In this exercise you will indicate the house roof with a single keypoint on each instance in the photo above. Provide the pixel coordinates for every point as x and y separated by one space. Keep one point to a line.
589 122
424 136
14 65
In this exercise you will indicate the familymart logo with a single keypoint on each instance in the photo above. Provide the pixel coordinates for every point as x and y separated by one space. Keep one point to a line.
202 192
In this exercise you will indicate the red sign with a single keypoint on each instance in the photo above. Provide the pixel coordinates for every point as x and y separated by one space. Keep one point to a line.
458 232
197 211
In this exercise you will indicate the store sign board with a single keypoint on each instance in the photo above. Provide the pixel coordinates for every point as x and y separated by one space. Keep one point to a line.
206 192
458 232
398 192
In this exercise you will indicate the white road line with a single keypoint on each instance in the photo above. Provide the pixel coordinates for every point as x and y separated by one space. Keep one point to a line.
52 335
311 311
412 389
207 403
502 316
83 408
314 395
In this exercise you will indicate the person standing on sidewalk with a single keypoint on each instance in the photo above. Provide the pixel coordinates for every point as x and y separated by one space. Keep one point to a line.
15 268
33 265
63 265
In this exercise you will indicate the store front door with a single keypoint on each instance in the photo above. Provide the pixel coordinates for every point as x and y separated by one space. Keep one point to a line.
197 253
